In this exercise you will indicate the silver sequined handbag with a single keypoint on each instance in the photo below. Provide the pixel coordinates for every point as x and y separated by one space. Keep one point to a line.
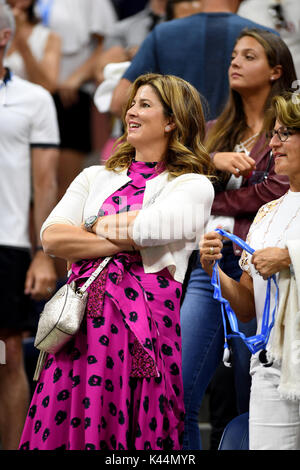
63 313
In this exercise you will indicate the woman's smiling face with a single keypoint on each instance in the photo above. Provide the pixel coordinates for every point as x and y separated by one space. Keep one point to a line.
145 119
286 154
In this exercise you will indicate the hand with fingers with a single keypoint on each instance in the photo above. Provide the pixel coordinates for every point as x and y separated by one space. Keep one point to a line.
271 260
40 282
210 250
237 163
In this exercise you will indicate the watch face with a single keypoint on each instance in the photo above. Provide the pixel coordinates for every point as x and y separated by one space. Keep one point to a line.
90 219
89 222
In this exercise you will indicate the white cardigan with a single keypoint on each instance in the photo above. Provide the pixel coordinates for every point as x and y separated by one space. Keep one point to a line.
172 220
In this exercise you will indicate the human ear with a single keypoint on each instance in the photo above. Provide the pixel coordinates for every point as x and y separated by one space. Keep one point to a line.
276 73
170 127
5 36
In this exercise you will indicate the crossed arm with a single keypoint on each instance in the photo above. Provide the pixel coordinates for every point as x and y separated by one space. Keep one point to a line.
111 234
186 206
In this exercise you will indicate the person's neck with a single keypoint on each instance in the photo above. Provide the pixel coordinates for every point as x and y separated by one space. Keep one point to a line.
254 109
147 156
295 184
220 6
158 7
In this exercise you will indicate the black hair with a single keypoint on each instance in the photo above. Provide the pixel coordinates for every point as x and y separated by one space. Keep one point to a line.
32 18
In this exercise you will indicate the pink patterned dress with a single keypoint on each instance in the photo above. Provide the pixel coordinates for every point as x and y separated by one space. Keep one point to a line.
117 385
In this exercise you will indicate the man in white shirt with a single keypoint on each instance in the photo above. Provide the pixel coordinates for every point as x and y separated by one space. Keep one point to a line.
28 162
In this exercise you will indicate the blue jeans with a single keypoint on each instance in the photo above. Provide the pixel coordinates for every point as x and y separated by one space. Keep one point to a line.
202 345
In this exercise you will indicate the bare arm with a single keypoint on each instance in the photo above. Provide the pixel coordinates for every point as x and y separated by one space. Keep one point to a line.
68 89
117 228
119 98
44 175
112 55
237 163
239 294
41 275
73 243
45 72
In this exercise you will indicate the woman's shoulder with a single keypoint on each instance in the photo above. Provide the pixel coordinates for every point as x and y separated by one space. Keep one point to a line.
95 172
40 33
210 124
89 174
194 183
266 209
195 178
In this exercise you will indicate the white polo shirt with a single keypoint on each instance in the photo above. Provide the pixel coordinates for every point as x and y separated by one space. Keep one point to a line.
27 119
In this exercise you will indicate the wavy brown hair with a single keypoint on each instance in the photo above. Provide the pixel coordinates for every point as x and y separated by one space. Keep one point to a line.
231 124
286 109
181 102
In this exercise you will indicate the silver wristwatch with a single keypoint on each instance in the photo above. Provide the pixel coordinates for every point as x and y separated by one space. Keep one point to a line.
90 222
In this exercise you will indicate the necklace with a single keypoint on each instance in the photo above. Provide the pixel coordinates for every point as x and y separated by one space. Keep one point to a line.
242 146
272 220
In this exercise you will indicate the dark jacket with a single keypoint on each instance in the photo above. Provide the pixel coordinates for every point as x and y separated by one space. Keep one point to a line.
260 188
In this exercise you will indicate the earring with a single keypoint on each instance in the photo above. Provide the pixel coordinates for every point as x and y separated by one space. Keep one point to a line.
167 128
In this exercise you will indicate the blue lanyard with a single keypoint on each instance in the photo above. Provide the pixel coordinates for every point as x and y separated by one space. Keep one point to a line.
44 9
259 341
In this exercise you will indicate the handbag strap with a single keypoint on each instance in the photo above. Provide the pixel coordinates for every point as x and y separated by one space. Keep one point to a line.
259 341
81 290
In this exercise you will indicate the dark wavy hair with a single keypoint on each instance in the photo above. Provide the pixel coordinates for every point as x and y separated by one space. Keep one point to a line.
32 18
231 124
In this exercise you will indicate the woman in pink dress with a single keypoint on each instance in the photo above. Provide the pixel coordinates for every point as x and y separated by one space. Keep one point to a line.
117 384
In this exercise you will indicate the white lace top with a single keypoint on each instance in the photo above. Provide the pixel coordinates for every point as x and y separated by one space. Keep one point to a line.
275 223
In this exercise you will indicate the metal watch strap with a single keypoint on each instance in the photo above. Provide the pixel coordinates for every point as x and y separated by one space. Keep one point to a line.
89 225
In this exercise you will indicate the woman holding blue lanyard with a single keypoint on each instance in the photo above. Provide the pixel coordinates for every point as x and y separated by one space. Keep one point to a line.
274 235
261 67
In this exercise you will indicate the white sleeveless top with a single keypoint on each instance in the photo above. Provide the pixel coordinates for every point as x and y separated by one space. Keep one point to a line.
37 42
75 21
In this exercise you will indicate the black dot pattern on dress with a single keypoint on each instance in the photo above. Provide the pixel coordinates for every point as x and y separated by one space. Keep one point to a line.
86 389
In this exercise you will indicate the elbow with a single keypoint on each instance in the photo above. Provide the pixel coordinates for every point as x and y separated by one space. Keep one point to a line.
247 316
115 108
52 87
119 97
48 242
